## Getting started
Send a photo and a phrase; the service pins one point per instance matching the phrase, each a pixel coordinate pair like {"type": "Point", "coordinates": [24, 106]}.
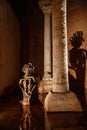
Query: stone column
{"type": "Point", "coordinates": [60, 99]}
{"type": "Point", "coordinates": [47, 46]}
{"type": "Point", "coordinates": [46, 83]}
{"type": "Point", "coordinates": [60, 58]}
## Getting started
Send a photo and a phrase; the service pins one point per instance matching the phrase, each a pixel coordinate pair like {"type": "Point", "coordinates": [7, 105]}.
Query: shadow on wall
{"type": "Point", "coordinates": [77, 59]}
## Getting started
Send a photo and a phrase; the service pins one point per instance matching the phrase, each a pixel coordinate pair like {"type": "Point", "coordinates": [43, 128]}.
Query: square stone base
{"type": "Point", "coordinates": [62, 102]}
{"type": "Point", "coordinates": [45, 86]}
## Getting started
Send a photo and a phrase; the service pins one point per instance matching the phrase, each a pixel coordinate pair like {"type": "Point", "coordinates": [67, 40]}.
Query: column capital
{"type": "Point", "coordinates": [46, 6]}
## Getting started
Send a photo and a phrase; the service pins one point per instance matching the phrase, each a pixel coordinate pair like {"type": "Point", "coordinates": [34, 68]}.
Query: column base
{"type": "Point", "coordinates": [62, 102]}
{"type": "Point", "coordinates": [45, 86]}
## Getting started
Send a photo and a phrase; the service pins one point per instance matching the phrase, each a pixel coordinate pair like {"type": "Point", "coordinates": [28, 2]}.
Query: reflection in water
{"type": "Point", "coordinates": [65, 121]}
{"type": "Point", "coordinates": [32, 118]}
{"type": "Point", "coordinates": [26, 119]}
{"type": "Point", "coordinates": [15, 117]}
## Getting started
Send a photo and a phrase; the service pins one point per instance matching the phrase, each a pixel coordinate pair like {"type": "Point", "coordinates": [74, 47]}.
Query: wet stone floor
{"type": "Point", "coordinates": [15, 117]}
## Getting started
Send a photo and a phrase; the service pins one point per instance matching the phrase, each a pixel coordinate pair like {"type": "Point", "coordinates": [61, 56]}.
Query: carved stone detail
{"type": "Point", "coordinates": [45, 5]}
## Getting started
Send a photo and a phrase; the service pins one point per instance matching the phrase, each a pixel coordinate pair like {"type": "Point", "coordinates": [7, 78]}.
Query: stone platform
{"type": "Point", "coordinates": [45, 86]}
{"type": "Point", "coordinates": [62, 102]}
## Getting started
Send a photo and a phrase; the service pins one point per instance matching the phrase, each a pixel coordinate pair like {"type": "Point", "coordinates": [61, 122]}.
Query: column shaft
{"type": "Point", "coordinates": [60, 57]}
{"type": "Point", "coordinates": [46, 84]}
{"type": "Point", "coordinates": [47, 46]}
